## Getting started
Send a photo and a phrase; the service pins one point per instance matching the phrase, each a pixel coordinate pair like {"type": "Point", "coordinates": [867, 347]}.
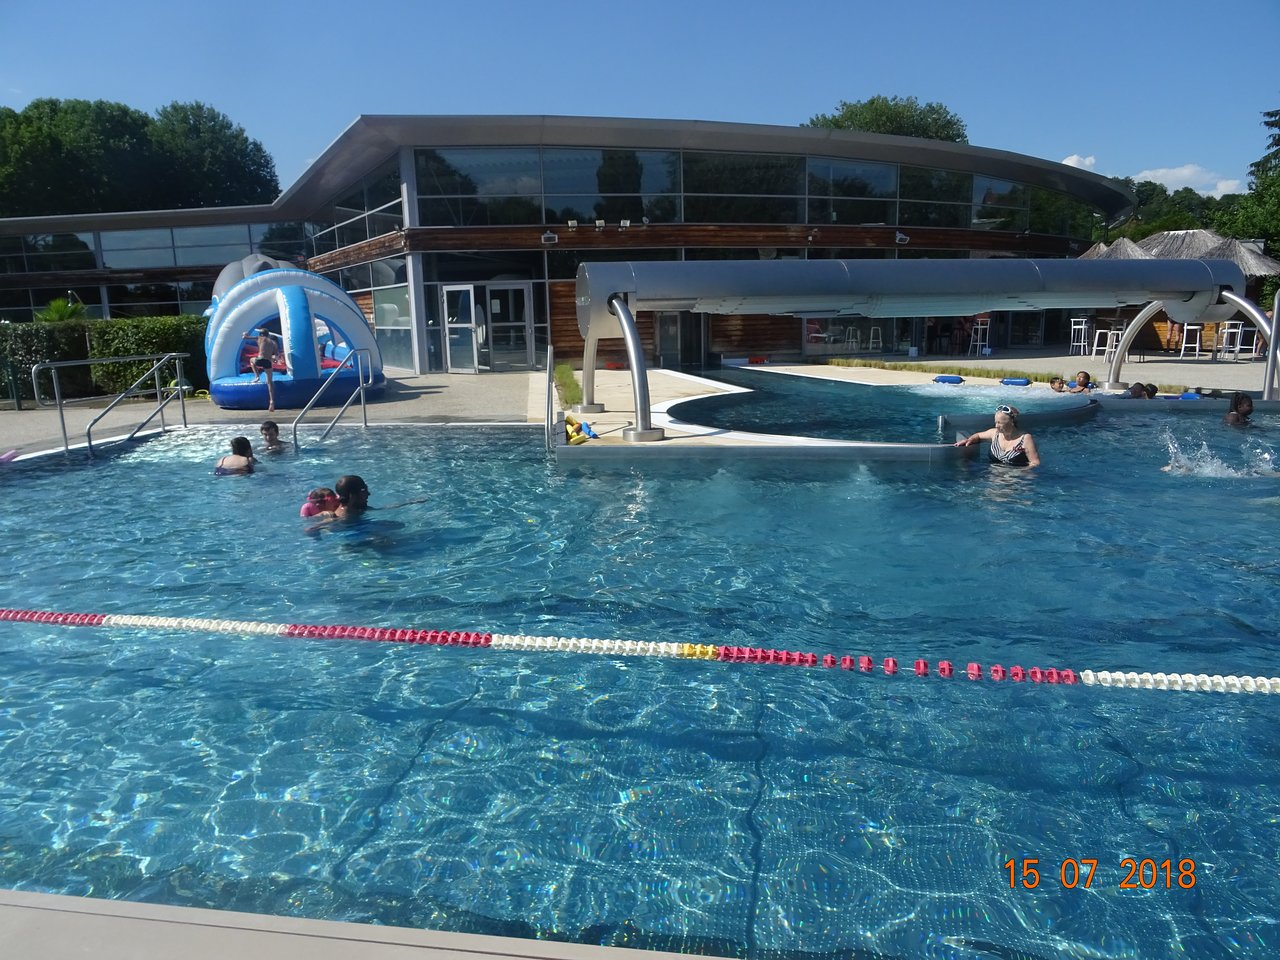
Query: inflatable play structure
{"type": "Point", "coordinates": [316, 325]}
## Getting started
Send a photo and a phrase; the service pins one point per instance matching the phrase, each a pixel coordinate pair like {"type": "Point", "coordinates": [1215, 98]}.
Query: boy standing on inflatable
{"type": "Point", "coordinates": [264, 362]}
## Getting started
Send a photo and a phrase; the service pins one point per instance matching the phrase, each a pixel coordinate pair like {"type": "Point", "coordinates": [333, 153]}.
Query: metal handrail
{"type": "Point", "coordinates": [364, 379]}
{"type": "Point", "coordinates": [162, 400]}
{"type": "Point", "coordinates": [551, 387]}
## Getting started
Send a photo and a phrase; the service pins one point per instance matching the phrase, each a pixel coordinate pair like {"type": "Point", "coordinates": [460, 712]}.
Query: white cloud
{"type": "Point", "coordinates": [1191, 175]}
{"type": "Point", "coordinates": [1084, 163]}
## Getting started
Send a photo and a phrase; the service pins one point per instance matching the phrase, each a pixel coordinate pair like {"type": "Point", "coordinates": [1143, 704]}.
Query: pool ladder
{"type": "Point", "coordinates": [164, 395]}
{"type": "Point", "coordinates": [362, 357]}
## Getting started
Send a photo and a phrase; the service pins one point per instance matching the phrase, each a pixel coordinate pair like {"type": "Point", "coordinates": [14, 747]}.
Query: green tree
{"type": "Point", "coordinates": [901, 116]}
{"type": "Point", "coordinates": [209, 161]}
{"type": "Point", "coordinates": [1270, 161]}
{"type": "Point", "coordinates": [82, 156]}
{"type": "Point", "coordinates": [73, 156]}
{"type": "Point", "coordinates": [59, 309]}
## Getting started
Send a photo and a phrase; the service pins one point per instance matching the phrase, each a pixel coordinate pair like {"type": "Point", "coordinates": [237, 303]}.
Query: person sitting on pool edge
{"type": "Point", "coordinates": [1009, 445]}
{"type": "Point", "coordinates": [1083, 383]}
{"type": "Point", "coordinates": [239, 461]}
{"type": "Point", "coordinates": [1241, 410]}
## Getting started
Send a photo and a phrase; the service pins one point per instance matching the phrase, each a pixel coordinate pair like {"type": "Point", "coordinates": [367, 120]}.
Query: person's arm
{"type": "Point", "coordinates": [975, 437]}
{"type": "Point", "coordinates": [1029, 447]}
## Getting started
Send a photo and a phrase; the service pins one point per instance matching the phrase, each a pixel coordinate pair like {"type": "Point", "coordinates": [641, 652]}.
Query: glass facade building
{"type": "Point", "coordinates": [460, 236]}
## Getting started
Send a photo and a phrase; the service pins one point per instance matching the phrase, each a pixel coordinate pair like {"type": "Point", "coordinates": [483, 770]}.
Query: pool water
{"type": "Point", "coordinates": [734, 809]}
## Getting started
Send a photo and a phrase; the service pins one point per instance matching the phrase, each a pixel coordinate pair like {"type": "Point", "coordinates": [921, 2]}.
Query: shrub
{"type": "Point", "coordinates": [138, 336]}
{"type": "Point", "coordinates": [26, 344]}
{"type": "Point", "coordinates": [567, 385]}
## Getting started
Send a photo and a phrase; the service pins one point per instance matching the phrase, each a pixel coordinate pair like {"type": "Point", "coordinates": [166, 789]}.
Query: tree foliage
{"type": "Point", "coordinates": [81, 156]}
{"type": "Point", "coordinates": [900, 116]}
{"type": "Point", "coordinates": [1269, 162]}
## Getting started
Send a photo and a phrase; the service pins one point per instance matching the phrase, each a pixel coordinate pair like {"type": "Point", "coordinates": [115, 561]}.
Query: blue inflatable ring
{"type": "Point", "coordinates": [1016, 382]}
{"type": "Point", "coordinates": [948, 378]}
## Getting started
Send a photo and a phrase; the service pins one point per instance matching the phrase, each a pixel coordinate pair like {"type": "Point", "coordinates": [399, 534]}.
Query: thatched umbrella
{"type": "Point", "coordinates": [1180, 244]}
{"type": "Point", "coordinates": [1094, 252]}
{"type": "Point", "coordinates": [1124, 249]}
{"type": "Point", "coordinates": [1250, 261]}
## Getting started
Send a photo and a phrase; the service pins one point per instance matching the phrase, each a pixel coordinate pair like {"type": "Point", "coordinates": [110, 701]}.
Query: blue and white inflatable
{"type": "Point", "coordinates": [317, 323]}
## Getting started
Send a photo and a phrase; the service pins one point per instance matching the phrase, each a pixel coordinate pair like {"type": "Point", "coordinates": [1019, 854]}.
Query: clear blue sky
{"type": "Point", "coordinates": [1166, 90]}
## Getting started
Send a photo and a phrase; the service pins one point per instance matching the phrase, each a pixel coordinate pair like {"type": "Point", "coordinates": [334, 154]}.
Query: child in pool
{"type": "Point", "coordinates": [321, 500]}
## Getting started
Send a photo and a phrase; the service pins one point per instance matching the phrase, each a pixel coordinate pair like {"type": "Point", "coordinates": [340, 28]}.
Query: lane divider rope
{"type": "Point", "coordinates": [639, 648]}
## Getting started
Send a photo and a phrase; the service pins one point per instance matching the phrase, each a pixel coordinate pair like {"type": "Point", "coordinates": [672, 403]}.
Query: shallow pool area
{"type": "Point", "coordinates": [728, 808]}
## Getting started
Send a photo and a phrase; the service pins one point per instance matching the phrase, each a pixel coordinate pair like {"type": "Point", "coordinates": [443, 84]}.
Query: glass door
{"type": "Point", "coordinates": [510, 317]}
{"type": "Point", "coordinates": [461, 332]}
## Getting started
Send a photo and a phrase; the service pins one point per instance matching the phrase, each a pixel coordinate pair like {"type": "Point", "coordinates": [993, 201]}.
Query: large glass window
{"type": "Point", "coordinates": [393, 326]}
{"type": "Point", "coordinates": [872, 213]}
{"type": "Point", "coordinates": [143, 299]}
{"type": "Point", "coordinates": [134, 249]}
{"type": "Point", "coordinates": [570, 171]}
{"type": "Point", "coordinates": [851, 178]}
{"type": "Point", "coordinates": [725, 209]}
{"type": "Point", "coordinates": [998, 193]}
{"type": "Point", "coordinates": [920, 183]}
{"type": "Point", "coordinates": [199, 256]}
{"type": "Point", "coordinates": [482, 172]}
{"type": "Point", "coordinates": [933, 214]}
{"type": "Point", "coordinates": [478, 212]}
{"type": "Point", "coordinates": [743, 173]}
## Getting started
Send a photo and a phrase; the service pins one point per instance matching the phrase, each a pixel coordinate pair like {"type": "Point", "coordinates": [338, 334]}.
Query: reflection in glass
{"type": "Point", "coordinates": [478, 171]}
{"type": "Point", "coordinates": [743, 173]}
{"type": "Point", "coordinates": [851, 178]}
{"type": "Point", "coordinates": [853, 212]}
{"type": "Point", "coordinates": [476, 212]}
{"type": "Point", "coordinates": [212, 256]}
{"type": "Point", "coordinates": [1000, 193]}
{"type": "Point", "coordinates": [610, 171]}
{"type": "Point", "coordinates": [919, 183]}
{"type": "Point", "coordinates": [743, 209]}
{"type": "Point", "coordinates": [933, 214]}
{"type": "Point", "coordinates": [223, 234]}
{"type": "Point", "coordinates": [136, 239]}
{"type": "Point", "coordinates": [162, 257]}
{"type": "Point", "coordinates": [585, 209]}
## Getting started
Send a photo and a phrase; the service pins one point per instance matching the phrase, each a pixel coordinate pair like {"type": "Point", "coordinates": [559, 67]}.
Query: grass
{"type": "Point", "coordinates": [567, 386]}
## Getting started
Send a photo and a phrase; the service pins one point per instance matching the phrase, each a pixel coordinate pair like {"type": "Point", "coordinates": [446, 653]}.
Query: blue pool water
{"type": "Point", "coordinates": [738, 810]}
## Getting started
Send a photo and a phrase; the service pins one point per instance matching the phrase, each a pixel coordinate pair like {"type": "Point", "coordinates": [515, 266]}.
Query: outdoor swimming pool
{"type": "Point", "coordinates": [735, 809]}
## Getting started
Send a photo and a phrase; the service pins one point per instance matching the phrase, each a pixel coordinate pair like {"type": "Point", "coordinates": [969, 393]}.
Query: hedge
{"type": "Point", "coordinates": [25, 344]}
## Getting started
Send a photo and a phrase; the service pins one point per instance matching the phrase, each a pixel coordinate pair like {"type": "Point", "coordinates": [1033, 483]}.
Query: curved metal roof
{"type": "Point", "coordinates": [371, 139]}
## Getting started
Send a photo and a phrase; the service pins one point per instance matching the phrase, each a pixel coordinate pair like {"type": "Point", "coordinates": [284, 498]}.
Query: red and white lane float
{"type": "Point", "coordinates": [944, 669]}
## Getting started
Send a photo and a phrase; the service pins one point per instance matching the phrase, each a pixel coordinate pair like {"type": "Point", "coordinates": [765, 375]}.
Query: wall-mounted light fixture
{"type": "Point", "coordinates": [623, 224]}
{"type": "Point", "coordinates": [599, 224]}
{"type": "Point", "coordinates": [900, 237]}
{"type": "Point", "coordinates": [550, 238]}
{"type": "Point", "coordinates": [573, 224]}
{"type": "Point", "coordinates": [813, 235]}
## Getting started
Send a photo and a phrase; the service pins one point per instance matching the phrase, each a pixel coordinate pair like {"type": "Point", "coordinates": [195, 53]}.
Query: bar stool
{"type": "Point", "coordinates": [851, 338]}
{"type": "Point", "coordinates": [1079, 336]}
{"type": "Point", "coordinates": [1105, 342]}
{"type": "Point", "coordinates": [1190, 337]}
{"type": "Point", "coordinates": [1232, 334]}
{"type": "Point", "coordinates": [873, 340]}
{"type": "Point", "coordinates": [978, 340]}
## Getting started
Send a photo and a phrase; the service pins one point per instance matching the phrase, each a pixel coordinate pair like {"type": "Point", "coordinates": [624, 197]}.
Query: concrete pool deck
{"type": "Point", "coordinates": [520, 397]}
{"type": "Point", "coordinates": [53, 926]}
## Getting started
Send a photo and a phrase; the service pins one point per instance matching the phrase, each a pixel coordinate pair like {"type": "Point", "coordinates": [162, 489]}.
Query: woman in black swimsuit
{"type": "Point", "coordinates": [1008, 445]}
